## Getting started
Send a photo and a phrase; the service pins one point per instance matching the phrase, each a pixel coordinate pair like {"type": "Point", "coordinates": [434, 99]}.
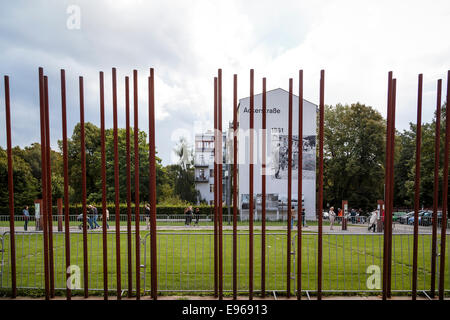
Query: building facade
{"type": "Point", "coordinates": [204, 166]}
{"type": "Point", "coordinates": [276, 157]}
{"type": "Point", "coordinates": [277, 107]}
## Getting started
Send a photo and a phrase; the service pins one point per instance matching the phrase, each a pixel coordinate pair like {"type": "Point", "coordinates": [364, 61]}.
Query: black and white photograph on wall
{"type": "Point", "coordinates": [280, 157]}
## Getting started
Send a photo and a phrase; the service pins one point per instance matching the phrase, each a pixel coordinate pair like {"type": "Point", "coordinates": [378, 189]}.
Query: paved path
{"type": "Point", "coordinates": [352, 229]}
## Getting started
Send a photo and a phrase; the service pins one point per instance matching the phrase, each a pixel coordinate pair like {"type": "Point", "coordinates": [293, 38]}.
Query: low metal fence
{"type": "Point", "coordinates": [75, 221]}
{"type": "Point", "coordinates": [351, 262]}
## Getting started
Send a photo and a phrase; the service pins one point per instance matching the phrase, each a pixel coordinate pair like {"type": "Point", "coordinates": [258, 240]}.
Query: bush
{"type": "Point", "coordinates": [76, 209]}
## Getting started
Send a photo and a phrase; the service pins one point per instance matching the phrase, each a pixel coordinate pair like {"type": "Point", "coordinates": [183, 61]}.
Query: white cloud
{"type": "Point", "coordinates": [356, 42]}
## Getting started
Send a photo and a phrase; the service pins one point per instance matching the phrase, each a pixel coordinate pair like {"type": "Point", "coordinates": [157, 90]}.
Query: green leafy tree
{"type": "Point", "coordinates": [183, 173]}
{"type": "Point", "coordinates": [353, 155]}
{"type": "Point", "coordinates": [25, 185]}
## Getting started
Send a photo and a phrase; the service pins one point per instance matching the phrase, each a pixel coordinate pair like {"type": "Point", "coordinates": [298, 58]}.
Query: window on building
{"type": "Point", "coordinates": [211, 188]}
{"type": "Point", "coordinates": [211, 173]}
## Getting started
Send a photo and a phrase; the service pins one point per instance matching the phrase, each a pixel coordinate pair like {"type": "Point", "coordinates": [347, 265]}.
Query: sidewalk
{"type": "Point", "coordinates": [337, 229]}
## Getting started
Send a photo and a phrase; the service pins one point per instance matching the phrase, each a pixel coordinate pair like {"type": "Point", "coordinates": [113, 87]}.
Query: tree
{"type": "Point", "coordinates": [183, 173]}
{"type": "Point", "coordinates": [406, 165]}
{"type": "Point", "coordinates": [25, 185]}
{"type": "Point", "coordinates": [353, 155]}
{"type": "Point", "coordinates": [93, 165]}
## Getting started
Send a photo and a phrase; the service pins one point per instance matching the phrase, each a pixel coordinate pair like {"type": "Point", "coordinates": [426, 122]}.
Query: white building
{"type": "Point", "coordinates": [204, 165]}
{"type": "Point", "coordinates": [276, 157]}
{"type": "Point", "coordinates": [276, 154]}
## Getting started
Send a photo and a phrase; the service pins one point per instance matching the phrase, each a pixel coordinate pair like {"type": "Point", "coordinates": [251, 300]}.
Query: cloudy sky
{"type": "Point", "coordinates": [356, 42]}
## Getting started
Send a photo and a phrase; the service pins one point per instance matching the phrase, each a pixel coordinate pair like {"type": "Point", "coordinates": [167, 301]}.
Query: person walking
{"type": "Point", "coordinates": [197, 215]}
{"type": "Point", "coordinates": [294, 212]}
{"type": "Point", "coordinates": [331, 216]}
{"type": "Point", "coordinates": [353, 215]}
{"type": "Point", "coordinates": [107, 218]}
{"type": "Point", "coordinates": [303, 218]}
{"type": "Point", "coordinates": [190, 215]}
{"type": "Point", "coordinates": [26, 216]}
{"type": "Point", "coordinates": [186, 216]}
{"type": "Point", "coordinates": [373, 220]}
{"type": "Point", "coordinates": [89, 216]}
{"type": "Point", "coordinates": [147, 215]}
{"type": "Point", "coordinates": [95, 214]}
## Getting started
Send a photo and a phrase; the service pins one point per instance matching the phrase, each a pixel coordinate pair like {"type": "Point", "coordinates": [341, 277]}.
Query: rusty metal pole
{"type": "Point", "coordinates": [445, 196]}
{"type": "Point", "coordinates": [235, 195]}
{"type": "Point", "coordinates": [49, 189]}
{"type": "Point", "coordinates": [128, 183]}
{"type": "Point", "coordinates": [387, 183]}
{"type": "Point", "coordinates": [391, 194]}
{"type": "Point", "coordinates": [252, 115]}
{"type": "Point", "coordinates": [104, 206]}
{"type": "Point", "coordinates": [320, 214]}
{"type": "Point", "coordinates": [66, 179]}
{"type": "Point", "coordinates": [219, 121]}
{"type": "Point", "coordinates": [59, 204]}
{"type": "Point", "coordinates": [300, 186]}
{"type": "Point", "coordinates": [289, 191]}
{"type": "Point", "coordinates": [83, 189]}
{"type": "Point", "coordinates": [10, 189]}
{"type": "Point", "coordinates": [216, 192]}
{"type": "Point", "coordinates": [44, 181]}
{"type": "Point", "coordinates": [152, 189]}
{"type": "Point", "coordinates": [436, 188]}
{"type": "Point", "coordinates": [116, 185]}
{"type": "Point", "coordinates": [417, 186]}
{"type": "Point", "coordinates": [136, 185]}
{"type": "Point", "coordinates": [263, 189]}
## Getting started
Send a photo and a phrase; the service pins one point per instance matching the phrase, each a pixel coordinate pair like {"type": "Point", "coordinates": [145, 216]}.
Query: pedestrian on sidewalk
{"type": "Point", "coordinates": [331, 216]}
{"type": "Point", "coordinates": [303, 218]}
{"type": "Point", "coordinates": [26, 216]}
{"type": "Point", "coordinates": [147, 215]}
{"type": "Point", "coordinates": [90, 216]}
{"type": "Point", "coordinates": [95, 212]}
{"type": "Point", "coordinates": [186, 216]}
{"type": "Point", "coordinates": [373, 220]}
{"type": "Point", "coordinates": [107, 218]}
{"type": "Point", "coordinates": [197, 215]}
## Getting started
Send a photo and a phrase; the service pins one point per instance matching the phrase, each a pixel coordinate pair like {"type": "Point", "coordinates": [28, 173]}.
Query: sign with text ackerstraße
{"type": "Point", "coordinates": [277, 110]}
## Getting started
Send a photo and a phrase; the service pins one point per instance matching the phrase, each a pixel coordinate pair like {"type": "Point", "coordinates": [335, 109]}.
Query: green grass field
{"type": "Point", "coordinates": [185, 261]}
{"type": "Point", "coordinates": [161, 222]}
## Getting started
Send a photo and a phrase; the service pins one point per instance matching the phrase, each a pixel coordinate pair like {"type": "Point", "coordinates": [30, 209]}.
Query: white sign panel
{"type": "Point", "coordinates": [277, 150]}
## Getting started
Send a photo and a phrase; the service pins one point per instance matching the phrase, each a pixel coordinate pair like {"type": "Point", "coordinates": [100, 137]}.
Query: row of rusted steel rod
{"type": "Point", "coordinates": [389, 192]}
{"type": "Point", "coordinates": [417, 186]}
{"type": "Point", "coordinates": [10, 188]}
{"type": "Point", "coordinates": [445, 195]}
{"type": "Point", "coordinates": [218, 276]}
{"type": "Point", "coordinates": [389, 141]}
{"type": "Point", "coordinates": [46, 203]}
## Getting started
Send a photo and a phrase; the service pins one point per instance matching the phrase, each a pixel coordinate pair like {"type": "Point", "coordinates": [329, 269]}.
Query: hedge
{"type": "Point", "coordinates": [160, 210]}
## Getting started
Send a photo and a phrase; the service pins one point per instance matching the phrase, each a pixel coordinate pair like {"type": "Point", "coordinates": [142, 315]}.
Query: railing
{"type": "Point", "coordinates": [201, 179]}
{"type": "Point", "coordinates": [202, 163]}
{"type": "Point", "coordinates": [186, 259]}
{"type": "Point", "coordinates": [202, 220]}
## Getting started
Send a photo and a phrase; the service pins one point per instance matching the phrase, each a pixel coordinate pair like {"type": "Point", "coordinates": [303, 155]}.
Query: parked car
{"type": "Point", "coordinates": [424, 218]}
{"type": "Point", "coordinates": [397, 215]}
{"type": "Point", "coordinates": [404, 218]}
{"type": "Point", "coordinates": [411, 219]}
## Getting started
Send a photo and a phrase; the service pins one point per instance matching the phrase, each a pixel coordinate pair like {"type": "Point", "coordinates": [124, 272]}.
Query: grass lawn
{"type": "Point", "coordinates": [4, 222]}
{"type": "Point", "coordinates": [185, 261]}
